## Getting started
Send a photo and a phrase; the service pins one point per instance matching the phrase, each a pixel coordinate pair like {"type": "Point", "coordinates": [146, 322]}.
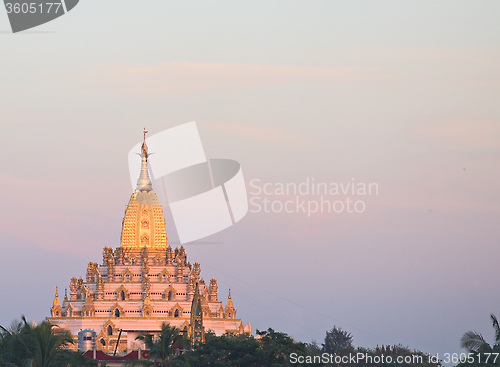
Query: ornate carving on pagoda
{"type": "Point", "coordinates": [117, 311]}
{"type": "Point", "coordinates": [122, 293]}
{"type": "Point", "coordinates": [107, 255]}
{"type": "Point", "coordinates": [170, 255]}
{"type": "Point", "coordinates": [69, 310]}
{"type": "Point", "coordinates": [180, 273]}
{"type": "Point", "coordinates": [111, 271]}
{"type": "Point", "coordinates": [144, 255]}
{"type": "Point", "coordinates": [79, 294]}
{"type": "Point", "coordinates": [127, 275]}
{"type": "Point", "coordinates": [119, 256]}
{"type": "Point", "coordinates": [65, 301]}
{"type": "Point", "coordinates": [230, 311]}
{"type": "Point", "coordinates": [147, 309]}
{"type": "Point", "coordinates": [181, 256]}
{"type": "Point", "coordinates": [176, 311]}
{"type": "Point", "coordinates": [196, 329]}
{"type": "Point", "coordinates": [146, 284]}
{"type": "Point", "coordinates": [103, 341]}
{"type": "Point", "coordinates": [88, 309]}
{"type": "Point", "coordinates": [73, 287]}
{"type": "Point", "coordinates": [56, 310]}
{"type": "Point", "coordinates": [131, 260]}
{"type": "Point", "coordinates": [145, 268]}
{"type": "Point", "coordinates": [164, 276]}
{"type": "Point", "coordinates": [157, 260]}
{"type": "Point", "coordinates": [191, 288]}
{"type": "Point", "coordinates": [169, 294]}
{"type": "Point", "coordinates": [92, 272]}
{"type": "Point", "coordinates": [212, 290]}
{"type": "Point", "coordinates": [196, 272]}
{"type": "Point", "coordinates": [100, 288]}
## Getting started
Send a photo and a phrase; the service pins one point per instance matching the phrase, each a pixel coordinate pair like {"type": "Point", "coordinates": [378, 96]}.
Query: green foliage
{"type": "Point", "coordinates": [480, 348]}
{"type": "Point", "coordinates": [23, 345]}
{"type": "Point", "coordinates": [164, 351]}
{"type": "Point", "coordinates": [69, 358]}
{"type": "Point", "coordinates": [270, 349]}
{"type": "Point", "coordinates": [337, 340]}
{"type": "Point", "coordinates": [409, 358]}
{"type": "Point", "coordinates": [275, 348]}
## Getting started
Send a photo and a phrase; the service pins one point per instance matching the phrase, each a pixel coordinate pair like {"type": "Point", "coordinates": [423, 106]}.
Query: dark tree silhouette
{"type": "Point", "coordinates": [337, 340]}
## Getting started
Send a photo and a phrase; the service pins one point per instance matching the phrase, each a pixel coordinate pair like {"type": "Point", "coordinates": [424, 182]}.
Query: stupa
{"type": "Point", "coordinates": [142, 284]}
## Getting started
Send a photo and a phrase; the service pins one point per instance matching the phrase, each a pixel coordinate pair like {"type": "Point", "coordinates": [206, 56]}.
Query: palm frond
{"type": "Point", "coordinates": [473, 341]}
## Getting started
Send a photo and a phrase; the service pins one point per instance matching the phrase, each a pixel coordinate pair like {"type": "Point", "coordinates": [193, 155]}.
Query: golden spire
{"type": "Point", "coordinates": [65, 300]}
{"type": "Point", "coordinates": [229, 303]}
{"type": "Point", "coordinates": [57, 302]}
{"type": "Point", "coordinates": [144, 182]}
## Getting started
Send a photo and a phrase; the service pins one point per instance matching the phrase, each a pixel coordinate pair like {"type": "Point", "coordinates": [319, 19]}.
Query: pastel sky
{"type": "Point", "coordinates": [403, 94]}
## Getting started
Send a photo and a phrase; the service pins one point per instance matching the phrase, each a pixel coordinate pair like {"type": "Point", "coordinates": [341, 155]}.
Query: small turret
{"type": "Point", "coordinates": [56, 310]}
{"type": "Point", "coordinates": [57, 302]}
{"type": "Point", "coordinates": [65, 300]}
{"type": "Point", "coordinates": [230, 311]}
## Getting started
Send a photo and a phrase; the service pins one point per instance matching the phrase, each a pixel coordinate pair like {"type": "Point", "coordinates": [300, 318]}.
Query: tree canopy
{"type": "Point", "coordinates": [34, 346]}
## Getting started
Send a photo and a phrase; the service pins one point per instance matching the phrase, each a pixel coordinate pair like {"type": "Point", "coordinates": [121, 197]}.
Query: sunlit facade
{"type": "Point", "coordinates": [142, 284]}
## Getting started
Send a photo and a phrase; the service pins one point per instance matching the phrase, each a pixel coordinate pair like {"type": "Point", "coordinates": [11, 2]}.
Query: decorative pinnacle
{"type": "Point", "coordinates": [144, 182]}
{"type": "Point", "coordinates": [144, 149]}
{"type": "Point", "coordinates": [56, 299]}
{"type": "Point", "coordinates": [229, 303]}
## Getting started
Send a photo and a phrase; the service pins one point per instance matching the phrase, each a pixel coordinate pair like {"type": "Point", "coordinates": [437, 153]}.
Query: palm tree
{"type": "Point", "coordinates": [37, 346]}
{"type": "Point", "coordinates": [163, 351]}
{"type": "Point", "coordinates": [46, 341]}
{"type": "Point", "coordinates": [475, 342]}
{"type": "Point", "coordinates": [12, 351]}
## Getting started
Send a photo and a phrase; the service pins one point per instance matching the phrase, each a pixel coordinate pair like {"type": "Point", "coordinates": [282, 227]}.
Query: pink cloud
{"type": "Point", "coordinates": [183, 76]}
{"type": "Point", "coordinates": [264, 133]}
{"type": "Point", "coordinates": [474, 134]}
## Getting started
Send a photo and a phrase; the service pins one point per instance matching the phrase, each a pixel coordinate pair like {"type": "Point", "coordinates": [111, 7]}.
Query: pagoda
{"type": "Point", "coordinates": [142, 284]}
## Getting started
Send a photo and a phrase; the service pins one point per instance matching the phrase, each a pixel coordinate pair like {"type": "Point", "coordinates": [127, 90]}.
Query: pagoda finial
{"type": "Point", "coordinates": [144, 182]}
{"type": "Point", "coordinates": [229, 303]}
{"type": "Point", "coordinates": [57, 302]}
{"type": "Point", "coordinates": [144, 150]}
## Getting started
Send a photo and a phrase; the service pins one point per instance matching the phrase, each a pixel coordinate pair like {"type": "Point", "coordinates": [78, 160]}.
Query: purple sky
{"type": "Point", "coordinates": [401, 94]}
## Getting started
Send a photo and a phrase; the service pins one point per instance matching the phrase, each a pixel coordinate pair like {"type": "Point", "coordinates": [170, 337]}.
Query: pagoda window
{"type": "Point", "coordinates": [176, 313]}
{"type": "Point", "coordinates": [229, 314]}
{"type": "Point", "coordinates": [103, 342]}
{"type": "Point", "coordinates": [117, 312]}
{"type": "Point", "coordinates": [127, 278]}
{"type": "Point", "coordinates": [122, 295]}
{"type": "Point", "coordinates": [170, 295]}
{"type": "Point", "coordinates": [110, 330]}
{"type": "Point", "coordinates": [132, 261]}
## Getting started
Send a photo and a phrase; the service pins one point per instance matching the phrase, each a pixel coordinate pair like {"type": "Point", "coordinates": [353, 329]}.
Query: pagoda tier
{"type": "Point", "coordinates": [134, 293]}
